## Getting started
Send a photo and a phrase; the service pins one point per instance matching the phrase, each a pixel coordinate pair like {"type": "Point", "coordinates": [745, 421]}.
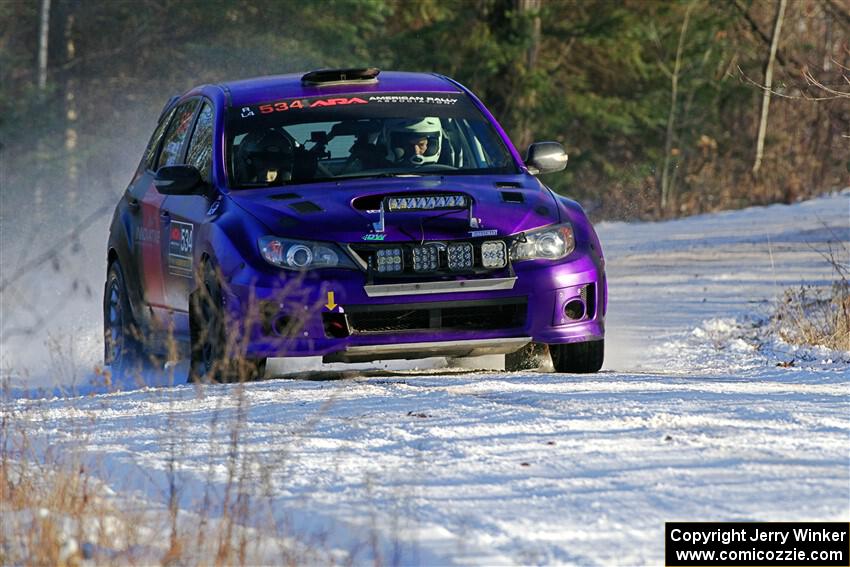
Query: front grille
{"type": "Point", "coordinates": [385, 321]}
{"type": "Point", "coordinates": [448, 315]}
{"type": "Point", "coordinates": [495, 317]}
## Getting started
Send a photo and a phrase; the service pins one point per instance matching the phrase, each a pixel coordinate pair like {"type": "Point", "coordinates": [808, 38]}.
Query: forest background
{"type": "Point", "coordinates": [660, 104]}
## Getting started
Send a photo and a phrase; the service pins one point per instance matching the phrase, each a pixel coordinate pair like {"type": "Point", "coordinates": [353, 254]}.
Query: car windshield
{"type": "Point", "coordinates": [362, 135]}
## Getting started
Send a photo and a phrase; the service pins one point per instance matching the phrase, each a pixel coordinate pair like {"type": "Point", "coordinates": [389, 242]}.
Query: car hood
{"type": "Point", "coordinates": [347, 212]}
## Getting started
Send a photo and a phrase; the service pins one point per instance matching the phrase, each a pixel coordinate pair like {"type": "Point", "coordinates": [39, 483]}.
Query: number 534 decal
{"type": "Point", "coordinates": [180, 246]}
{"type": "Point", "coordinates": [283, 106]}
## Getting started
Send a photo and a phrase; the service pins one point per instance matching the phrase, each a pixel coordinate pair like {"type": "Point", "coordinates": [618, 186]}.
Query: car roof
{"type": "Point", "coordinates": [265, 89]}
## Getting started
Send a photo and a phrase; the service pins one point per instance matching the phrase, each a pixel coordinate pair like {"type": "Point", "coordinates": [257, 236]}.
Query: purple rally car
{"type": "Point", "coordinates": [351, 214]}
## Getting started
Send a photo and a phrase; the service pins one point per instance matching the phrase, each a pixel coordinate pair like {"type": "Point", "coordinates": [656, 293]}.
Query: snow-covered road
{"type": "Point", "coordinates": [691, 419]}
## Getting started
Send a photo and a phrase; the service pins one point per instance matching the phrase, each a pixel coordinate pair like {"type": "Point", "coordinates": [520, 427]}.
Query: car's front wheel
{"type": "Point", "coordinates": [213, 357]}
{"type": "Point", "coordinates": [581, 358]}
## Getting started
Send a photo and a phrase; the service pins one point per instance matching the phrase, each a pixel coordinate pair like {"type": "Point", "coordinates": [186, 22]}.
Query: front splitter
{"type": "Point", "coordinates": [477, 347]}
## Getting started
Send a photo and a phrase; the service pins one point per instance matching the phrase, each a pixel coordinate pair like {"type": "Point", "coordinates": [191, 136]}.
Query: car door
{"type": "Point", "coordinates": [154, 220]}
{"type": "Point", "coordinates": [143, 205]}
{"type": "Point", "coordinates": [185, 214]}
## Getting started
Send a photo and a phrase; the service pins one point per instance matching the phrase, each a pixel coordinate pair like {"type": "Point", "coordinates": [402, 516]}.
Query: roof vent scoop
{"type": "Point", "coordinates": [512, 197]}
{"type": "Point", "coordinates": [322, 77]}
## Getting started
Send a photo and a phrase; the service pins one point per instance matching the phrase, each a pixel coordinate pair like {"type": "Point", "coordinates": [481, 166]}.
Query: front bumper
{"type": "Point", "coordinates": [333, 313]}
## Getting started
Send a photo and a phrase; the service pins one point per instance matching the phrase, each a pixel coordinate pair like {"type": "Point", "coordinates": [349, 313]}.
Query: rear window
{"type": "Point", "coordinates": [156, 138]}
{"type": "Point", "coordinates": [176, 133]}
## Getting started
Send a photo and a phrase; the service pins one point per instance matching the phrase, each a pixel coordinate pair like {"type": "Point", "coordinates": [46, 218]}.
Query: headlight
{"type": "Point", "coordinates": [550, 243]}
{"type": "Point", "coordinates": [302, 254]}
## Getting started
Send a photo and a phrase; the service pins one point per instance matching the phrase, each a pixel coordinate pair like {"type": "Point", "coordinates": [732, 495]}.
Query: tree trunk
{"type": "Point", "coordinates": [666, 181]}
{"type": "Point", "coordinates": [827, 43]}
{"type": "Point", "coordinates": [768, 84]}
{"type": "Point", "coordinates": [528, 98]}
{"type": "Point", "coordinates": [41, 81]}
{"type": "Point", "coordinates": [43, 35]}
{"type": "Point", "coordinates": [71, 117]}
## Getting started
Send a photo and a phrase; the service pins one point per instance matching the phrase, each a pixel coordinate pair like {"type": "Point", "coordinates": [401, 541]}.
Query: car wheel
{"type": "Point", "coordinates": [123, 349]}
{"type": "Point", "coordinates": [581, 358]}
{"type": "Point", "coordinates": [212, 357]}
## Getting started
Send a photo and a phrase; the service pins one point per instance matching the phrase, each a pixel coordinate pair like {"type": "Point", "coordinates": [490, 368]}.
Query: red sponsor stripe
{"type": "Point", "coordinates": [151, 249]}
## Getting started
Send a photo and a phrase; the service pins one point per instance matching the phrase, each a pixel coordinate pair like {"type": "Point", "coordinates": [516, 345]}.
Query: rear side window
{"type": "Point", "coordinates": [153, 145]}
{"type": "Point", "coordinates": [176, 133]}
{"type": "Point", "coordinates": [200, 146]}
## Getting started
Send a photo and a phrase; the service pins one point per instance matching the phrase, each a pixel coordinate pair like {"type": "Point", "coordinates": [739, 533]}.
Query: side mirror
{"type": "Point", "coordinates": [545, 157]}
{"type": "Point", "coordinates": [179, 180]}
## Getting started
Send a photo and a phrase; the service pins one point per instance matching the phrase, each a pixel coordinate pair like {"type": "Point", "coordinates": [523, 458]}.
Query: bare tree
{"type": "Point", "coordinates": [529, 99]}
{"type": "Point", "coordinates": [768, 83]}
{"type": "Point", "coordinates": [43, 35]}
{"type": "Point", "coordinates": [71, 113]}
{"type": "Point", "coordinates": [666, 185]}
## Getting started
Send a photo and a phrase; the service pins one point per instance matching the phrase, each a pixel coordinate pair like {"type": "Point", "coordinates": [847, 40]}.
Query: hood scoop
{"type": "Point", "coordinates": [306, 207]}
{"type": "Point", "coordinates": [419, 201]}
{"type": "Point", "coordinates": [513, 197]}
{"type": "Point", "coordinates": [368, 202]}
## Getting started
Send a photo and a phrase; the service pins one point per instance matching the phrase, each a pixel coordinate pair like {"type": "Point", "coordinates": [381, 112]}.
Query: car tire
{"type": "Point", "coordinates": [212, 357]}
{"type": "Point", "coordinates": [580, 358]}
{"type": "Point", "coordinates": [122, 338]}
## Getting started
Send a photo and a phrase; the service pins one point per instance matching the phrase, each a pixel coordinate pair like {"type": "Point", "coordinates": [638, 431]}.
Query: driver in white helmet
{"type": "Point", "coordinates": [416, 141]}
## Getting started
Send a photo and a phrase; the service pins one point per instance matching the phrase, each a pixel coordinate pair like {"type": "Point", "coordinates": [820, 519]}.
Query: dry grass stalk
{"type": "Point", "coordinates": [814, 316]}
